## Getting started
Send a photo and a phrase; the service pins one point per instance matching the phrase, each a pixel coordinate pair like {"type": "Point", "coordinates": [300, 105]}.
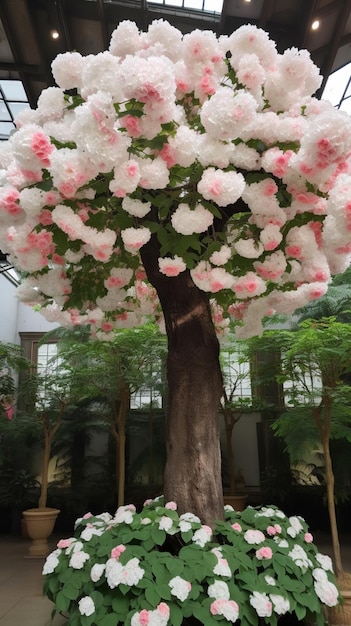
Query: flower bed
{"type": "Point", "coordinates": [157, 567]}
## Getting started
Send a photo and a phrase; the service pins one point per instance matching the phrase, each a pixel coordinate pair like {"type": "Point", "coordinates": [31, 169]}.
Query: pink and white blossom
{"type": "Point", "coordinates": [261, 603]}
{"type": "Point", "coordinates": [228, 608]}
{"type": "Point", "coordinates": [180, 588]}
{"type": "Point", "coordinates": [222, 187]}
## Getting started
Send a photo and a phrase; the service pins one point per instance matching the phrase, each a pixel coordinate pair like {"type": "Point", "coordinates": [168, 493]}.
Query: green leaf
{"type": "Point", "coordinates": [158, 535]}
{"type": "Point", "coordinates": [62, 601]}
{"type": "Point", "coordinates": [176, 615]}
{"type": "Point", "coordinates": [111, 619]}
{"type": "Point", "coordinates": [70, 592]}
{"type": "Point", "coordinates": [152, 595]}
{"type": "Point", "coordinates": [120, 605]}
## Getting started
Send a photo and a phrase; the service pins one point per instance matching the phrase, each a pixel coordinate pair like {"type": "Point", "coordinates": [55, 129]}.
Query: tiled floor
{"type": "Point", "coordinates": [22, 602]}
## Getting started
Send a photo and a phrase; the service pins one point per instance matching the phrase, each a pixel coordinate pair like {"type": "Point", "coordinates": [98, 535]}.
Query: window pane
{"type": "Point", "coordinates": [17, 107]}
{"type": "Point", "coordinates": [193, 4]}
{"type": "Point", "coordinates": [4, 113]}
{"type": "Point", "coordinates": [5, 129]}
{"type": "Point", "coordinates": [13, 90]}
{"type": "Point", "coordinates": [213, 5]}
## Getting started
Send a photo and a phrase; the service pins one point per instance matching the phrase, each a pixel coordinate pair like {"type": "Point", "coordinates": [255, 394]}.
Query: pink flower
{"type": "Point", "coordinates": [264, 553]}
{"type": "Point", "coordinates": [308, 537]}
{"type": "Point", "coordinates": [144, 617]}
{"type": "Point", "coordinates": [171, 267]}
{"type": "Point", "coordinates": [42, 147]}
{"type": "Point", "coordinates": [117, 551]}
{"type": "Point", "coordinates": [64, 543]}
{"type": "Point", "coordinates": [172, 506]}
{"type": "Point", "coordinates": [236, 526]}
{"type": "Point", "coordinates": [87, 515]}
{"type": "Point", "coordinates": [132, 124]}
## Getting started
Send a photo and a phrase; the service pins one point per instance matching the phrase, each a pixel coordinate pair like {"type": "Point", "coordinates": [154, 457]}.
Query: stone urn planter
{"type": "Point", "coordinates": [237, 501]}
{"type": "Point", "coordinates": [40, 523]}
{"type": "Point", "coordinates": [341, 615]}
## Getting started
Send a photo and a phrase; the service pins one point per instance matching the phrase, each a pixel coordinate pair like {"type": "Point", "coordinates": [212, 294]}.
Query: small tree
{"type": "Point", "coordinates": [12, 361]}
{"type": "Point", "coordinates": [109, 373]}
{"type": "Point", "coordinates": [314, 360]}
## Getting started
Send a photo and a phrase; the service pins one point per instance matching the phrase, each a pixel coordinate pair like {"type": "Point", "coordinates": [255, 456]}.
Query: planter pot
{"type": "Point", "coordinates": [341, 615]}
{"type": "Point", "coordinates": [40, 524]}
{"type": "Point", "coordinates": [238, 502]}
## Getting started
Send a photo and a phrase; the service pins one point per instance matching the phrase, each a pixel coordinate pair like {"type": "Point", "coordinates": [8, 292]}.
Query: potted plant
{"type": "Point", "coordinates": [47, 397]}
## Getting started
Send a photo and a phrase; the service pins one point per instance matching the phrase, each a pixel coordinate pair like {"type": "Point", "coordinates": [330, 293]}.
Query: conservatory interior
{"type": "Point", "coordinates": [83, 422]}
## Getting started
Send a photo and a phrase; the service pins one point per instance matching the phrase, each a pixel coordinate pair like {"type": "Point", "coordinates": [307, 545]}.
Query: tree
{"type": "Point", "coordinates": [12, 361]}
{"type": "Point", "coordinates": [177, 176]}
{"type": "Point", "coordinates": [318, 350]}
{"type": "Point", "coordinates": [109, 373]}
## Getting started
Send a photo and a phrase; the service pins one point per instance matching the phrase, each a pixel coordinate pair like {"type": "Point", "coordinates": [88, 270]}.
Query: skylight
{"type": "Point", "coordinates": [338, 89]}
{"type": "Point", "coordinates": [212, 6]}
{"type": "Point", "coordinates": [13, 99]}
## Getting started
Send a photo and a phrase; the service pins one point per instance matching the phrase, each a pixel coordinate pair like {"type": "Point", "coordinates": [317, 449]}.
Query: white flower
{"type": "Point", "coordinates": [221, 256]}
{"type": "Point", "coordinates": [281, 605]}
{"type": "Point", "coordinates": [325, 561]}
{"type": "Point", "coordinates": [124, 514]}
{"type": "Point", "coordinates": [89, 532]}
{"type": "Point", "coordinates": [300, 558]}
{"type": "Point", "coordinates": [270, 580]}
{"type": "Point", "coordinates": [202, 536]}
{"type": "Point", "coordinates": [86, 606]}
{"type": "Point", "coordinates": [222, 187]}
{"type": "Point", "coordinates": [184, 526]}
{"type": "Point", "coordinates": [222, 568]}
{"type": "Point", "coordinates": [261, 603]}
{"type": "Point", "coordinates": [180, 588]}
{"type": "Point", "coordinates": [219, 589]}
{"type": "Point", "coordinates": [97, 571]}
{"type": "Point", "coordinates": [254, 536]}
{"type": "Point", "coordinates": [327, 592]}
{"type": "Point", "coordinates": [135, 238]}
{"type": "Point", "coordinates": [165, 523]}
{"type": "Point", "coordinates": [296, 524]}
{"type": "Point", "coordinates": [136, 207]}
{"type": "Point", "coordinates": [78, 559]}
{"type": "Point", "coordinates": [113, 574]}
{"type": "Point", "coordinates": [187, 221]}
{"type": "Point", "coordinates": [51, 562]}
{"type": "Point", "coordinates": [132, 573]}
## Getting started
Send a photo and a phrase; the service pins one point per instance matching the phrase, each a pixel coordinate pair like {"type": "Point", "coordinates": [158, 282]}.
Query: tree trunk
{"type": "Point", "coordinates": [45, 470]}
{"type": "Point", "coordinates": [324, 430]}
{"type": "Point", "coordinates": [193, 467]}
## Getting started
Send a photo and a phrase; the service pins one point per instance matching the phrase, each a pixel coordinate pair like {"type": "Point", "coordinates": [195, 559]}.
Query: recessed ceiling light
{"type": "Point", "coordinates": [315, 25]}
{"type": "Point", "coordinates": [54, 34]}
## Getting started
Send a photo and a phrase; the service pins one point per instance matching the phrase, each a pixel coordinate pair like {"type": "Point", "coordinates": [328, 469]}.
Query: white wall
{"type": "Point", "coordinates": [8, 311]}
{"type": "Point", "coordinates": [16, 317]}
{"type": "Point", "coordinates": [29, 321]}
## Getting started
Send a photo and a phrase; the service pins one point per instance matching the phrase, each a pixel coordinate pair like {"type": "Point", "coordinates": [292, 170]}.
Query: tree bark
{"type": "Point", "coordinates": [193, 468]}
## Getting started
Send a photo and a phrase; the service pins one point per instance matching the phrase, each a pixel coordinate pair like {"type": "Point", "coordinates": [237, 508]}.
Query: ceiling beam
{"type": "Point", "coordinates": [103, 23]}
{"type": "Point", "coordinates": [343, 16]}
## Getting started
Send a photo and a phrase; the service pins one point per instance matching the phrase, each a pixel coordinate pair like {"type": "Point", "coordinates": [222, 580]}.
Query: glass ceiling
{"type": "Point", "coordinates": [13, 99]}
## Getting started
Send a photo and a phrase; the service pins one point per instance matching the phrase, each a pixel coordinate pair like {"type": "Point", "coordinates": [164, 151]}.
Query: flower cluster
{"type": "Point", "coordinates": [196, 142]}
{"type": "Point", "coordinates": [157, 567]}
